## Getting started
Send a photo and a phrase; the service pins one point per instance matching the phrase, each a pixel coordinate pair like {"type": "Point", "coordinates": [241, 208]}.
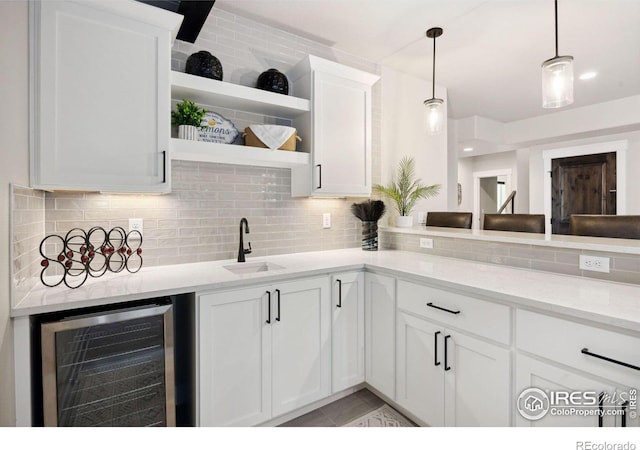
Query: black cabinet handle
{"type": "Point", "coordinates": [319, 166]}
{"type": "Point", "coordinates": [600, 409]}
{"type": "Point", "coordinates": [435, 346]}
{"type": "Point", "coordinates": [268, 307]}
{"type": "Point", "coordinates": [586, 351]}
{"type": "Point", "coordinates": [278, 316]}
{"type": "Point", "coordinates": [339, 293]}
{"type": "Point", "coordinates": [446, 356]}
{"type": "Point", "coordinates": [164, 166]}
{"type": "Point", "coordinates": [624, 413]}
{"type": "Point", "coordinates": [442, 309]}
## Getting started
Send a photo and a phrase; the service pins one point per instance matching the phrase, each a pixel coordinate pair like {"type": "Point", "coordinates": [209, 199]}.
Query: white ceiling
{"type": "Point", "coordinates": [490, 53]}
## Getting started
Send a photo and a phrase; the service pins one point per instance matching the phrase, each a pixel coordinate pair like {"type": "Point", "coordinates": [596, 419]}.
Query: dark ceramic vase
{"type": "Point", "coordinates": [204, 64]}
{"type": "Point", "coordinates": [274, 81]}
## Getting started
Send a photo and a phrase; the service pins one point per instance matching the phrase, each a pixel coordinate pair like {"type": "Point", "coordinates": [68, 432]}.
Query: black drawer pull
{"type": "Point", "coordinates": [268, 307]}
{"type": "Point", "coordinates": [339, 293]}
{"type": "Point", "coordinates": [442, 309]}
{"type": "Point", "coordinates": [595, 355]}
{"type": "Point", "coordinates": [278, 316]}
{"type": "Point", "coordinates": [446, 356]}
{"type": "Point", "coordinates": [624, 413]}
{"type": "Point", "coordinates": [435, 346]}
{"type": "Point", "coordinates": [319, 166]}
{"type": "Point", "coordinates": [164, 166]}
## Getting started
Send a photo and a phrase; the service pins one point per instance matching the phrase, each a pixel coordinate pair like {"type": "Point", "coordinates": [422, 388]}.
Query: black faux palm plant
{"type": "Point", "coordinates": [406, 190]}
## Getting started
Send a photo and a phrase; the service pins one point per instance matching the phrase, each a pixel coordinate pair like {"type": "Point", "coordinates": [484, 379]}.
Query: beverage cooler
{"type": "Point", "coordinates": [116, 367]}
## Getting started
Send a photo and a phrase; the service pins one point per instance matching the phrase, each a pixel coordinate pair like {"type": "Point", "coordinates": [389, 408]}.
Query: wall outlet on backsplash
{"type": "Point", "coordinates": [595, 263]}
{"type": "Point", "coordinates": [135, 224]}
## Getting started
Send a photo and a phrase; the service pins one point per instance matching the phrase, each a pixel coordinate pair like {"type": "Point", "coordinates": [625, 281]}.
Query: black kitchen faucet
{"type": "Point", "coordinates": [241, 250]}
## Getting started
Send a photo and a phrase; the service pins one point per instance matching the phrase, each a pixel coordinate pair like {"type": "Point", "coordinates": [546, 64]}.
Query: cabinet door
{"type": "Point", "coordinates": [342, 136]}
{"type": "Point", "coordinates": [477, 384]}
{"type": "Point", "coordinates": [420, 369]}
{"type": "Point", "coordinates": [347, 334]}
{"type": "Point", "coordinates": [234, 343]}
{"type": "Point", "coordinates": [380, 332]}
{"type": "Point", "coordinates": [533, 373]}
{"type": "Point", "coordinates": [301, 352]}
{"type": "Point", "coordinates": [101, 98]}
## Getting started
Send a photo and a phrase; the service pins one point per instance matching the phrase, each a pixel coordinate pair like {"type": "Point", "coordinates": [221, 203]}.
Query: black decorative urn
{"type": "Point", "coordinates": [204, 64]}
{"type": "Point", "coordinates": [274, 81]}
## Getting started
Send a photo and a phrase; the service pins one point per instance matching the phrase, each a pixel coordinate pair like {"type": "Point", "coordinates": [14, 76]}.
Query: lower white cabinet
{"type": "Point", "coordinates": [263, 351]}
{"type": "Point", "coordinates": [380, 333]}
{"type": "Point", "coordinates": [347, 333]}
{"type": "Point", "coordinates": [446, 378]}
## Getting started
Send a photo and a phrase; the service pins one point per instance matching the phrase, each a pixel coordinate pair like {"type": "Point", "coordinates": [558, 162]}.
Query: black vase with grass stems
{"type": "Point", "coordinates": [369, 212]}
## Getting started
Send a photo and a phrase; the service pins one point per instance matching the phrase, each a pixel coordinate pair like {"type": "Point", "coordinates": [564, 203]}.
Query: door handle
{"type": "Point", "coordinates": [339, 293]}
{"type": "Point", "coordinates": [278, 316]}
{"type": "Point", "coordinates": [585, 351]}
{"type": "Point", "coordinates": [600, 409]}
{"type": "Point", "coordinates": [319, 166]}
{"type": "Point", "coordinates": [268, 306]}
{"type": "Point", "coordinates": [164, 166]}
{"type": "Point", "coordinates": [624, 413]}
{"type": "Point", "coordinates": [446, 356]}
{"type": "Point", "coordinates": [435, 346]}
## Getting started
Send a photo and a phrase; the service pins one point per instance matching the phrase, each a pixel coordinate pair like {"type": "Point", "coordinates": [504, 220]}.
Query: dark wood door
{"type": "Point", "coordinates": [582, 185]}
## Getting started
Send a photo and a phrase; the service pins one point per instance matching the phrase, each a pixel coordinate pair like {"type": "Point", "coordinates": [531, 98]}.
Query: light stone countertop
{"type": "Point", "coordinates": [614, 304]}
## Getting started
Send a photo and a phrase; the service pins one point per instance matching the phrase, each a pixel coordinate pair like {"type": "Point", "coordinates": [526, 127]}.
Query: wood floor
{"type": "Point", "coordinates": [340, 412]}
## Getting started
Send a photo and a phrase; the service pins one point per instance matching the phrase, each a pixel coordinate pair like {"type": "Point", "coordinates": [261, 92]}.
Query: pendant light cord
{"type": "Point", "coordinates": [556, 9]}
{"type": "Point", "coordinates": [433, 76]}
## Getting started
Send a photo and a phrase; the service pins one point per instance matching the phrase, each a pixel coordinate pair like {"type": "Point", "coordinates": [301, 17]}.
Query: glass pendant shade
{"type": "Point", "coordinates": [557, 82]}
{"type": "Point", "coordinates": [434, 115]}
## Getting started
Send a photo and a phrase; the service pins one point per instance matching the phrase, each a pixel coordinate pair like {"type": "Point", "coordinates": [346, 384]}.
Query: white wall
{"type": "Point", "coordinates": [14, 154]}
{"type": "Point", "coordinates": [403, 133]}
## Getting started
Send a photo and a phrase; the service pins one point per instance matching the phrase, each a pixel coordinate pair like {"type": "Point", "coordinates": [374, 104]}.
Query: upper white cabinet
{"type": "Point", "coordinates": [100, 96]}
{"type": "Point", "coordinates": [337, 131]}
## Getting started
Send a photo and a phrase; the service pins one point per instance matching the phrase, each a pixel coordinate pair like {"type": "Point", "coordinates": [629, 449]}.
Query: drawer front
{"type": "Point", "coordinates": [480, 317]}
{"type": "Point", "coordinates": [563, 341]}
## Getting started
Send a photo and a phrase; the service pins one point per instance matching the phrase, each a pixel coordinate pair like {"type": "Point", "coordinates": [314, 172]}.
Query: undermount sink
{"type": "Point", "coordinates": [243, 268]}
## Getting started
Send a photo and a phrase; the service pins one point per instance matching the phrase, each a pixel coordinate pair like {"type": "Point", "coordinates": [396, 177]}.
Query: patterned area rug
{"type": "Point", "coordinates": [385, 416]}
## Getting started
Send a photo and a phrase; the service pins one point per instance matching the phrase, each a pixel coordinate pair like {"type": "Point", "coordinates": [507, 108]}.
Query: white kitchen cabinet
{"type": "Point", "coordinates": [347, 333]}
{"type": "Point", "coordinates": [263, 351]}
{"type": "Point", "coordinates": [337, 130]}
{"type": "Point", "coordinates": [447, 378]}
{"type": "Point", "coordinates": [380, 333]}
{"type": "Point", "coordinates": [577, 357]}
{"type": "Point", "coordinates": [100, 110]}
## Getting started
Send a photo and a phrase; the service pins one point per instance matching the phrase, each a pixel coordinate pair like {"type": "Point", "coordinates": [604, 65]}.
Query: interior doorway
{"type": "Point", "coordinates": [582, 185]}
{"type": "Point", "coordinates": [491, 189]}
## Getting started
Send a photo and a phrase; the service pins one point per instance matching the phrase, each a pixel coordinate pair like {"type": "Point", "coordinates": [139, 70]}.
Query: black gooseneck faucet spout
{"type": "Point", "coordinates": [241, 250]}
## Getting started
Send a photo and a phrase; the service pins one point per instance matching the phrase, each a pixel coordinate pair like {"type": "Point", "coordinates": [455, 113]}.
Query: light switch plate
{"type": "Point", "coordinates": [326, 220]}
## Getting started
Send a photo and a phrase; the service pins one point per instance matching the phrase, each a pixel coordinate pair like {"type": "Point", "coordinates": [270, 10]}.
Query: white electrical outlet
{"type": "Point", "coordinates": [326, 220]}
{"type": "Point", "coordinates": [135, 224]}
{"type": "Point", "coordinates": [594, 263]}
{"type": "Point", "coordinates": [426, 243]}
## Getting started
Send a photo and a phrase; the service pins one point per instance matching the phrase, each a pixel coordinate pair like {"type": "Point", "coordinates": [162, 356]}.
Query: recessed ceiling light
{"type": "Point", "coordinates": [588, 75]}
{"type": "Point", "coordinates": [467, 149]}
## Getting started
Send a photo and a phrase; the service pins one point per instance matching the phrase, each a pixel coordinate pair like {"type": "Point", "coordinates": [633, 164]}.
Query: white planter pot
{"type": "Point", "coordinates": [404, 221]}
{"type": "Point", "coordinates": [188, 132]}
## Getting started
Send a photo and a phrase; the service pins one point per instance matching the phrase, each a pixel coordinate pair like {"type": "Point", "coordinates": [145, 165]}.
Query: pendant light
{"type": "Point", "coordinates": [557, 77]}
{"type": "Point", "coordinates": [434, 107]}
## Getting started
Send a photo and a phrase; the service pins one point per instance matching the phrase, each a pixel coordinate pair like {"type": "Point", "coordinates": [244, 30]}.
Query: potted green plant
{"type": "Point", "coordinates": [406, 190]}
{"type": "Point", "coordinates": [188, 116]}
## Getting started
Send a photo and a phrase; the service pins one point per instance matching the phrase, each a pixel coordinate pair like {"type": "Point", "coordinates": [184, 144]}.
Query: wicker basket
{"type": "Point", "coordinates": [252, 140]}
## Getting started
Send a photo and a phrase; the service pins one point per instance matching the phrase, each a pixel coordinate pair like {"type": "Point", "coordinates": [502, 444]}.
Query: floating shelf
{"type": "Point", "coordinates": [184, 150]}
{"type": "Point", "coordinates": [234, 96]}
